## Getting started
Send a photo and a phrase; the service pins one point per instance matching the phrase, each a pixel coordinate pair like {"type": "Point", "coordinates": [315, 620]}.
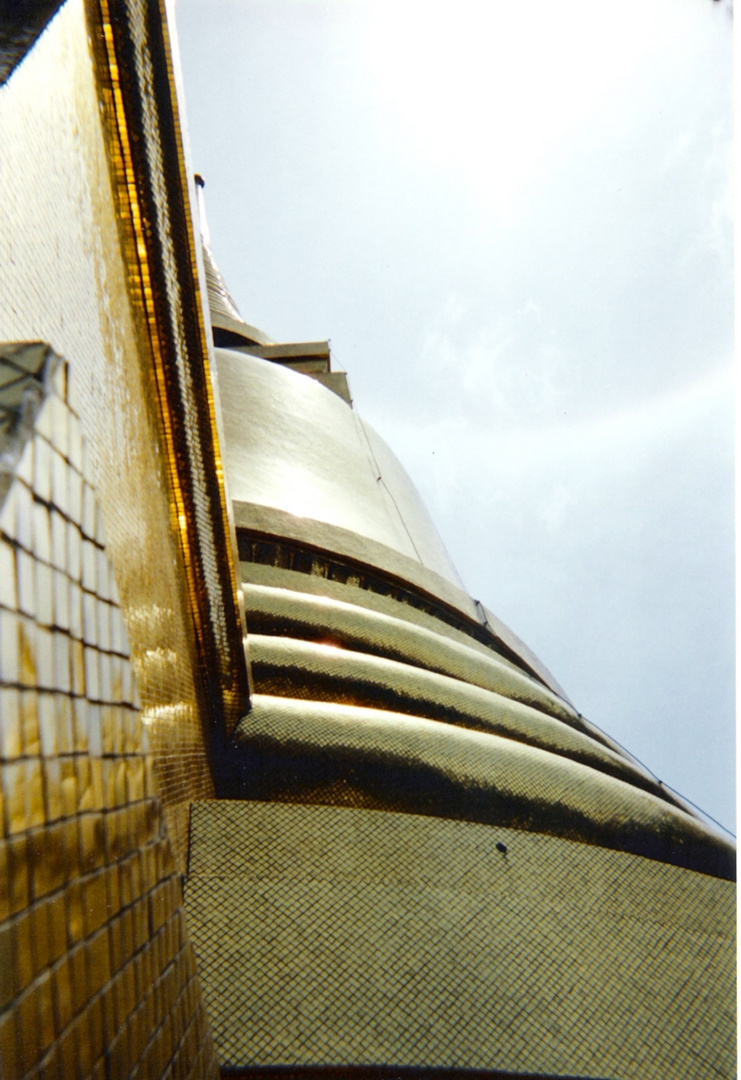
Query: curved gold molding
{"type": "Point", "coordinates": [323, 618]}
{"type": "Point", "coordinates": [310, 545]}
{"type": "Point", "coordinates": [306, 669]}
{"type": "Point", "coordinates": [323, 752]}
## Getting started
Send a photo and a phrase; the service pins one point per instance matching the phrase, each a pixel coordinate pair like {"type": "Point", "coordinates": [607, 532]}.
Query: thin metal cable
{"type": "Point", "coordinates": [657, 779]}
{"type": "Point", "coordinates": [380, 480]}
{"type": "Point", "coordinates": [485, 622]}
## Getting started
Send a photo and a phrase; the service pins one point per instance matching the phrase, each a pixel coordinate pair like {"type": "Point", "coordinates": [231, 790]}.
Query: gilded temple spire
{"type": "Point", "coordinates": [228, 325]}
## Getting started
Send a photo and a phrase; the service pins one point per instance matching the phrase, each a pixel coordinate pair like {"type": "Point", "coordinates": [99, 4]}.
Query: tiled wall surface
{"type": "Point", "coordinates": [102, 746]}
{"type": "Point", "coordinates": [384, 939]}
{"type": "Point", "coordinates": [63, 279]}
{"type": "Point", "coordinates": [96, 972]}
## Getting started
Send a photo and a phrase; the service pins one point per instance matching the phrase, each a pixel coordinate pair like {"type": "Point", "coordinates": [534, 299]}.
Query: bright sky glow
{"type": "Point", "coordinates": [513, 221]}
{"type": "Point", "coordinates": [493, 91]}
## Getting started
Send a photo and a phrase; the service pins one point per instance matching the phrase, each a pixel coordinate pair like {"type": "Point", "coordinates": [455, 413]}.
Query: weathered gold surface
{"type": "Point", "coordinates": [64, 279]}
{"type": "Point", "coordinates": [335, 936]}
{"type": "Point", "coordinates": [95, 965]}
{"type": "Point", "coordinates": [97, 975]}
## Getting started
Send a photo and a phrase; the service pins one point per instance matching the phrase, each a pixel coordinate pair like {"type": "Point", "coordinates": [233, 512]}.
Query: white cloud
{"type": "Point", "coordinates": [489, 91]}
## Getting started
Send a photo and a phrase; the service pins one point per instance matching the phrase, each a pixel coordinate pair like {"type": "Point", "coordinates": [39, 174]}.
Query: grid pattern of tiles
{"type": "Point", "coordinates": [64, 279]}
{"type": "Point", "coordinates": [353, 705]}
{"type": "Point", "coordinates": [329, 936]}
{"type": "Point", "coordinates": [261, 551]}
{"type": "Point", "coordinates": [345, 623]}
{"type": "Point", "coordinates": [132, 55]}
{"type": "Point", "coordinates": [320, 671]}
{"type": "Point", "coordinates": [295, 750]}
{"type": "Point", "coordinates": [97, 976]}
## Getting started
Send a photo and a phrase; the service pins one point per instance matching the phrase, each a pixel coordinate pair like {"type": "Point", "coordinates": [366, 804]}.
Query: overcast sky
{"type": "Point", "coordinates": [513, 221]}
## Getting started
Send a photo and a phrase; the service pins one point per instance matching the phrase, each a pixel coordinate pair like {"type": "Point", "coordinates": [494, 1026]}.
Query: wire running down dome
{"type": "Point", "coordinates": [422, 854]}
{"type": "Point", "coordinates": [375, 673]}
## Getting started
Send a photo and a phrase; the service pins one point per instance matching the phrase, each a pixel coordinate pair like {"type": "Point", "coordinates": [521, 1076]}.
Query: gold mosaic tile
{"type": "Point", "coordinates": [30, 721]}
{"type": "Point", "coordinates": [9, 652]}
{"type": "Point", "coordinates": [8, 593]}
{"type": "Point", "coordinates": [333, 753]}
{"type": "Point", "coordinates": [329, 936]}
{"type": "Point", "coordinates": [61, 822]}
{"type": "Point", "coordinates": [85, 866]}
{"type": "Point", "coordinates": [11, 733]}
{"type": "Point", "coordinates": [62, 528]}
